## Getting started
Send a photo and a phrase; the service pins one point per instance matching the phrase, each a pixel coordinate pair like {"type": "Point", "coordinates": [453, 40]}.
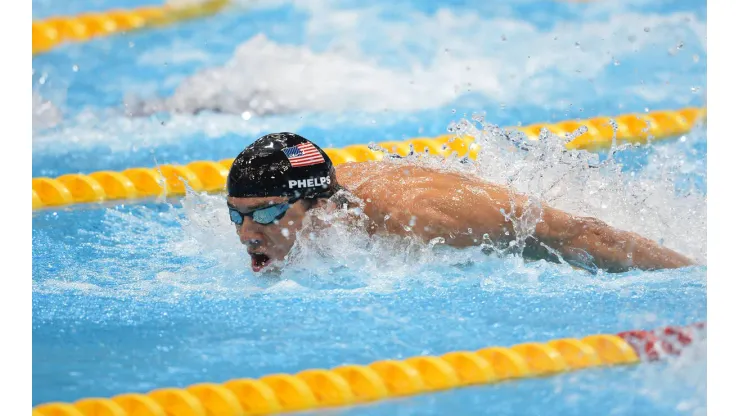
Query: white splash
{"type": "Point", "coordinates": [459, 56]}
{"type": "Point", "coordinates": [344, 256]}
{"type": "Point", "coordinates": [194, 247]}
{"type": "Point", "coordinates": [675, 377]}
{"type": "Point", "coordinates": [344, 68]}
{"type": "Point", "coordinates": [45, 113]}
{"type": "Point", "coordinates": [348, 73]}
{"type": "Point", "coordinates": [645, 202]}
{"type": "Point", "coordinates": [267, 78]}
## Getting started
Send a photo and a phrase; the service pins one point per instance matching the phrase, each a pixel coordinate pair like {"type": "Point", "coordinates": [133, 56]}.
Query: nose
{"type": "Point", "coordinates": [250, 234]}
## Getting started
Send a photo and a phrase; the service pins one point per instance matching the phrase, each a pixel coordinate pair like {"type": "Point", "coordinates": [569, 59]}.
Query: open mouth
{"type": "Point", "coordinates": [259, 261]}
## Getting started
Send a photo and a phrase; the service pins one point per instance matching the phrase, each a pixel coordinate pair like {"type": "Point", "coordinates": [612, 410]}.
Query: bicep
{"type": "Point", "coordinates": [464, 216]}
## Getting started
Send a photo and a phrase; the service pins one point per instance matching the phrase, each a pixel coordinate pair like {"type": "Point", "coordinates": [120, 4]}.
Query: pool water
{"type": "Point", "coordinates": [131, 296]}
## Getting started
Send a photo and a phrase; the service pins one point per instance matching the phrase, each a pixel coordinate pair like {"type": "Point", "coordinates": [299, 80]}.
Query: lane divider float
{"type": "Point", "coordinates": [210, 176]}
{"type": "Point", "coordinates": [354, 384]}
{"type": "Point", "coordinates": [54, 31]}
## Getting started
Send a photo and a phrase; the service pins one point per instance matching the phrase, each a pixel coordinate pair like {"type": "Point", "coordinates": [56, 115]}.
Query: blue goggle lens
{"type": "Point", "coordinates": [262, 216]}
{"type": "Point", "coordinates": [270, 214]}
{"type": "Point", "coordinates": [236, 216]}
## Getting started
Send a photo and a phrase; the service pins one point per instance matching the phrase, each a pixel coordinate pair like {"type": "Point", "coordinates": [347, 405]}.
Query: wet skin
{"type": "Point", "coordinates": [465, 211]}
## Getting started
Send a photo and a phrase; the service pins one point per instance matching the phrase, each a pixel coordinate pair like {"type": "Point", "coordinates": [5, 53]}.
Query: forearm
{"type": "Point", "coordinates": [579, 239]}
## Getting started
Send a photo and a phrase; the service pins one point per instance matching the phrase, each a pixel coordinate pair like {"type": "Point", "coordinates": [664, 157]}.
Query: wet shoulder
{"type": "Point", "coordinates": [380, 175]}
{"type": "Point", "coordinates": [354, 175]}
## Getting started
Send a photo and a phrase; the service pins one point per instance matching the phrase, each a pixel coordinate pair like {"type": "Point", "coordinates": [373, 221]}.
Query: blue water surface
{"type": "Point", "coordinates": [124, 299]}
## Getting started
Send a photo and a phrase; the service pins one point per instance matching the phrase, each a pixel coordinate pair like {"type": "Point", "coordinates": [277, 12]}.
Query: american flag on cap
{"type": "Point", "coordinates": [304, 154]}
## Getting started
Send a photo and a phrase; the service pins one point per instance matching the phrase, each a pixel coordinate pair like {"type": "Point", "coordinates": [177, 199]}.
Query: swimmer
{"type": "Point", "coordinates": [275, 181]}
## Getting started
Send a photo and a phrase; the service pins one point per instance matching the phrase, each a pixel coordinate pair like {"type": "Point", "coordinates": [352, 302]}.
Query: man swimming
{"type": "Point", "coordinates": [275, 181]}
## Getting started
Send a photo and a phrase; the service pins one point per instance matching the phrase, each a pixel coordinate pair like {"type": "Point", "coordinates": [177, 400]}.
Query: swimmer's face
{"type": "Point", "coordinates": [267, 243]}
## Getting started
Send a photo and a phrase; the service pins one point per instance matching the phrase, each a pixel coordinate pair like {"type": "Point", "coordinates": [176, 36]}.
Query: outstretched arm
{"type": "Point", "coordinates": [584, 238]}
{"type": "Point", "coordinates": [464, 210]}
{"type": "Point", "coordinates": [580, 241]}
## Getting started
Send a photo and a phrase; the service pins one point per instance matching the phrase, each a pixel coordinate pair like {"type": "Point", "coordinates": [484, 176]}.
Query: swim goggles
{"type": "Point", "coordinates": [264, 216]}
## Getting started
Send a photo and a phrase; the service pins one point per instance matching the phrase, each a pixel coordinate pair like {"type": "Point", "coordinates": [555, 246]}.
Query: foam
{"type": "Point", "coordinates": [460, 56]}
{"type": "Point", "coordinates": [345, 257]}
{"type": "Point", "coordinates": [193, 248]}
{"type": "Point", "coordinates": [349, 71]}
{"type": "Point", "coordinates": [168, 253]}
{"type": "Point", "coordinates": [669, 382]}
{"type": "Point", "coordinates": [45, 113]}
{"type": "Point", "coordinates": [646, 202]}
{"type": "Point", "coordinates": [342, 75]}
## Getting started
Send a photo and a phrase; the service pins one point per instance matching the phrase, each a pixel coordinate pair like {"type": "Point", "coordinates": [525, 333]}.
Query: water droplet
{"type": "Point", "coordinates": [578, 44]}
{"type": "Point", "coordinates": [412, 221]}
{"type": "Point", "coordinates": [454, 111]}
{"type": "Point", "coordinates": [696, 58]}
{"type": "Point", "coordinates": [246, 115]}
{"type": "Point", "coordinates": [75, 68]}
{"type": "Point", "coordinates": [647, 29]}
{"type": "Point", "coordinates": [290, 222]}
{"type": "Point", "coordinates": [695, 89]}
{"type": "Point", "coordinates": [503, 38]}
{"type": "Point", "coordinates": [131, 44]}
{"type": "Point", "coordinates": [436, 240]}
{"type": "Point", "coordinates": [680, 45]}
{"type": "Point", "coordinates": [616, 62]}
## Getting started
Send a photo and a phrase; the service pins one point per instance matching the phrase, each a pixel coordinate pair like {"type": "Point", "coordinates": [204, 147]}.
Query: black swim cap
{"type": "Point", "coordinates": [282, 164]}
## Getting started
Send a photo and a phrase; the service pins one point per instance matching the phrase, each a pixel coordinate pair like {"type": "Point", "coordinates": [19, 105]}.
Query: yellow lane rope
{"type": "Point", "coordinates": [210, 176]}
{"type": "Point", "coordinates": [51, 32]}
{"type": "Point", "coordinates": [354, 384]}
